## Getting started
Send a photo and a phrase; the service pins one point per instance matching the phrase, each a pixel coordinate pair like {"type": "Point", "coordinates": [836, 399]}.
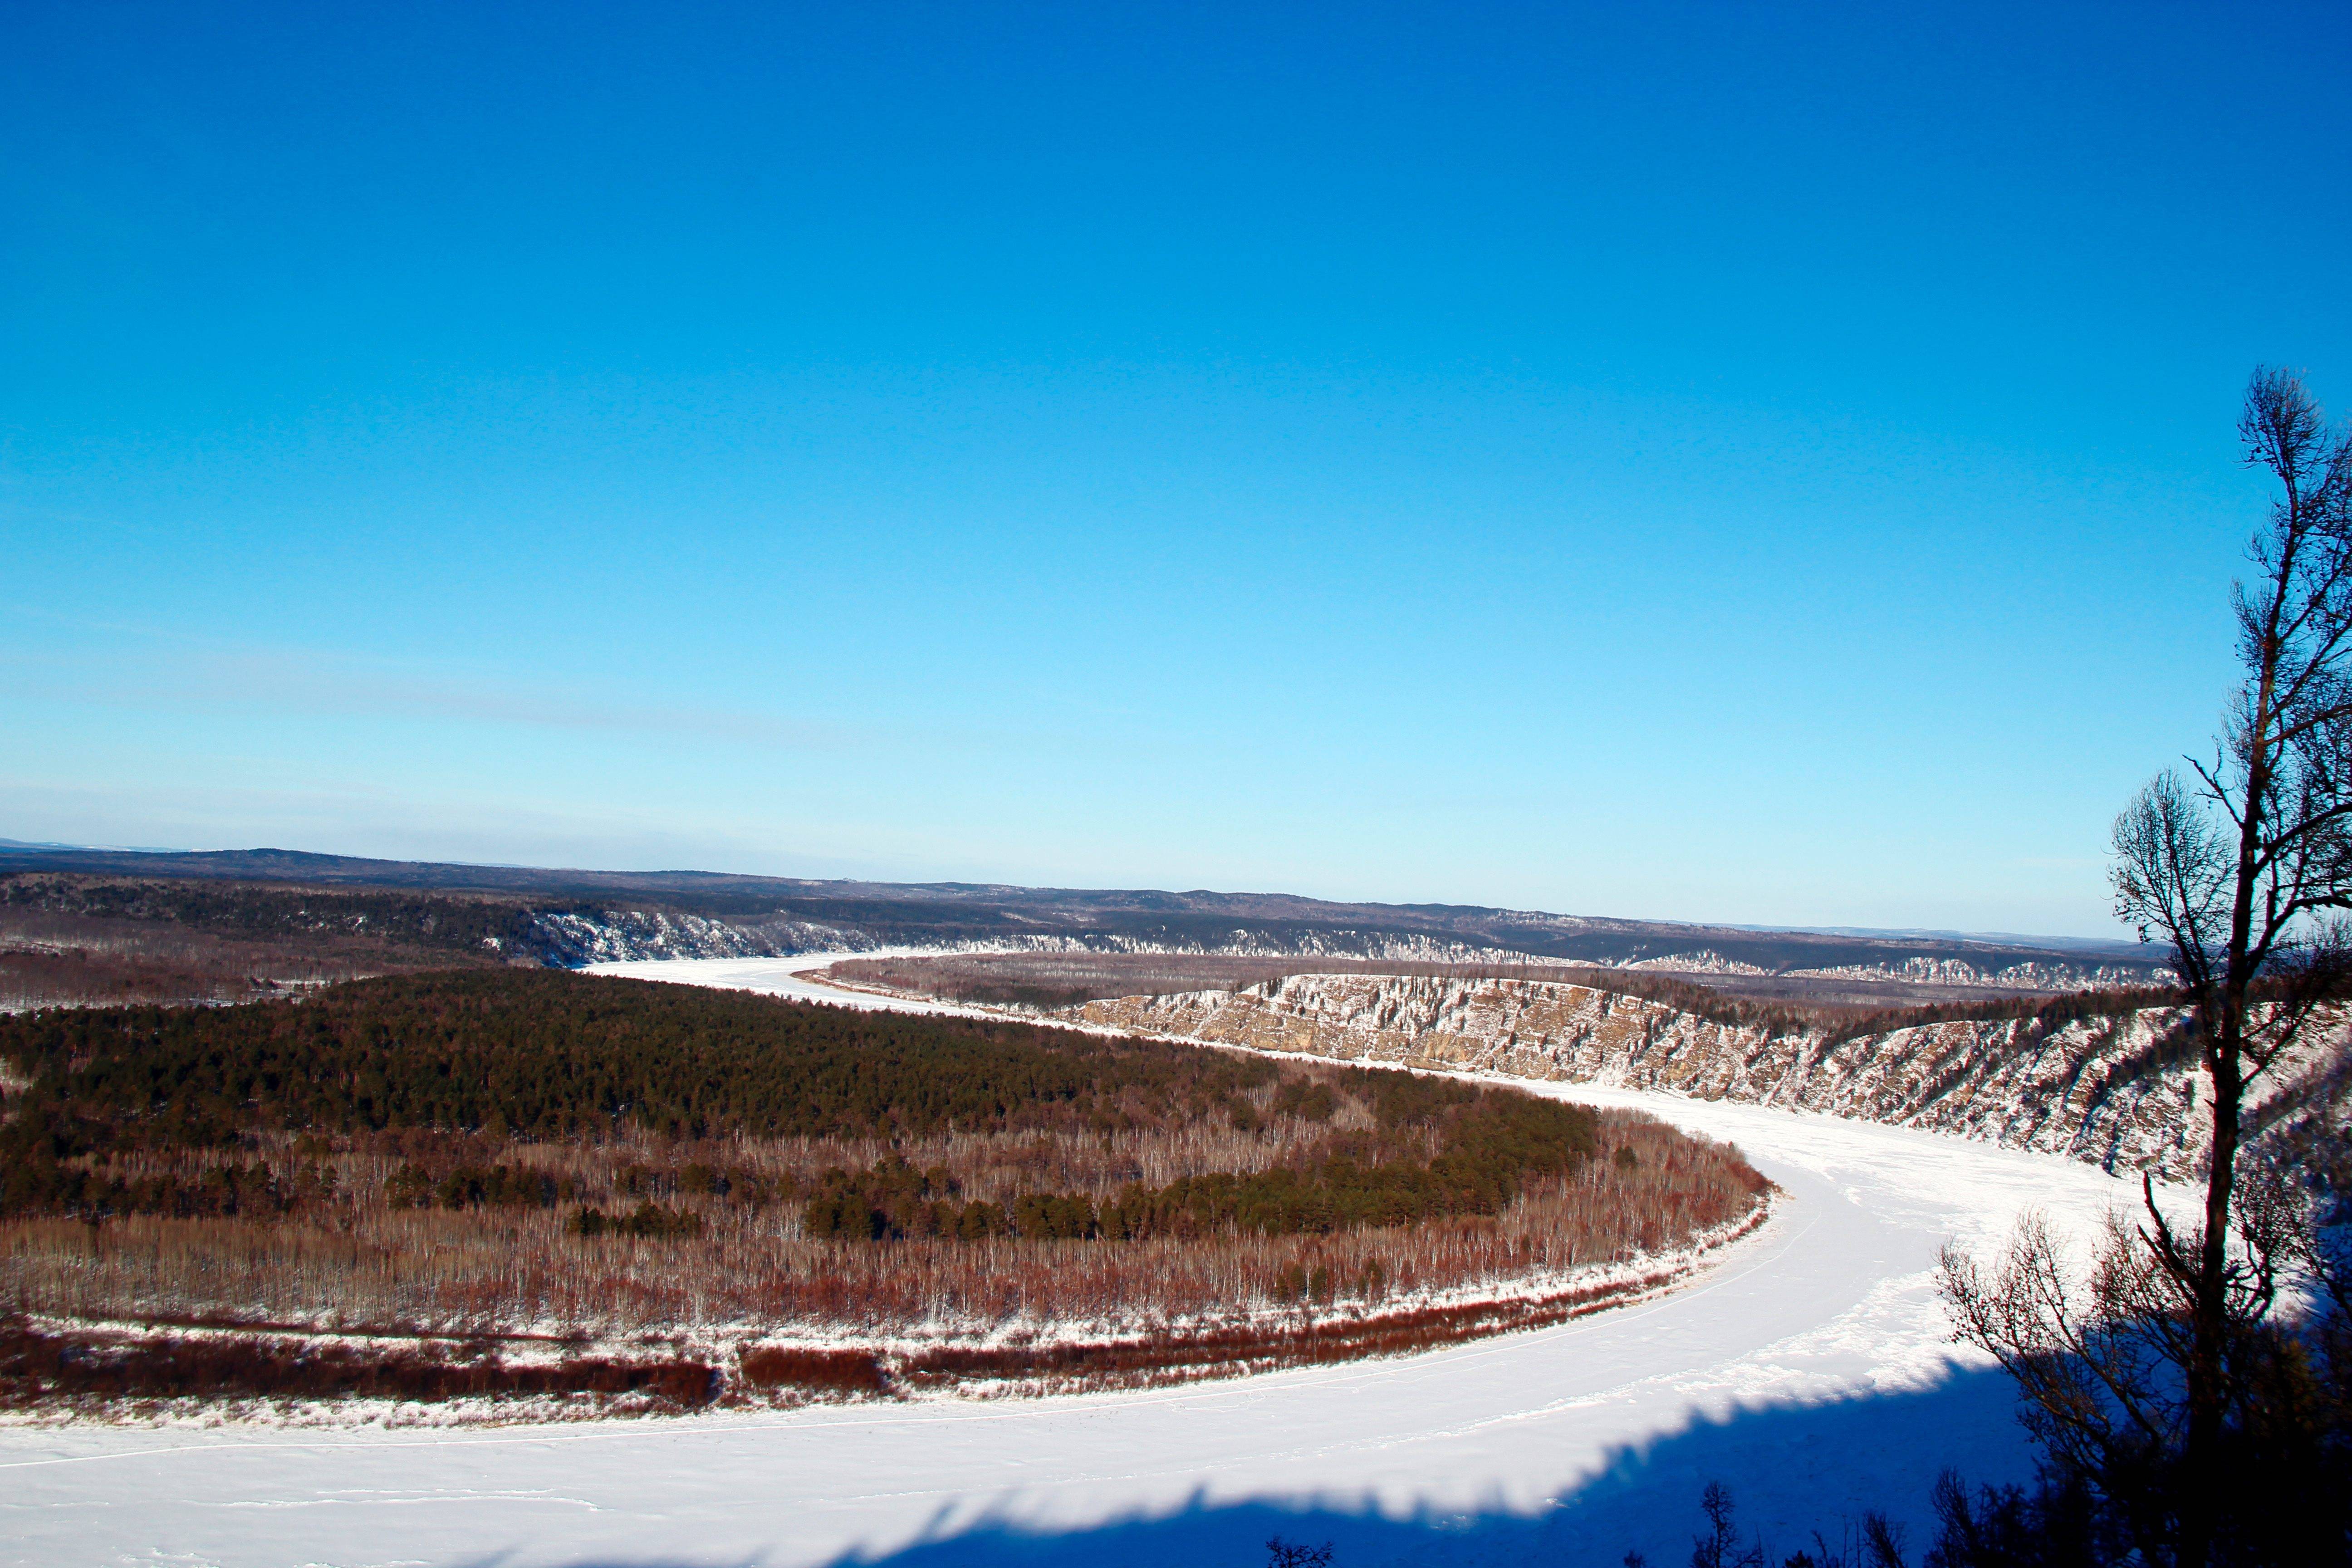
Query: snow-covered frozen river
{"type": "Point", "coordinates": [1809, 1371]}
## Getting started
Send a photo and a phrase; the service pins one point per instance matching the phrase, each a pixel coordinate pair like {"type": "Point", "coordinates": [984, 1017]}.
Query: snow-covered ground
{"type": "Point", "coordinates": [779, 977]}
{"type": "Point", "coordinates": [1808, 1371]}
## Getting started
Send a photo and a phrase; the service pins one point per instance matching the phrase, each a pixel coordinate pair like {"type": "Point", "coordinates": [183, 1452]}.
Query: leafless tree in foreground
{"type": "Point", "coordinates": [2166, 1377]}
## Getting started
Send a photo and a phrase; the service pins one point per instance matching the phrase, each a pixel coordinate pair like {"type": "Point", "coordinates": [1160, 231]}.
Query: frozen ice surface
{"type": "Point", "coordinates": [1809, 1370]}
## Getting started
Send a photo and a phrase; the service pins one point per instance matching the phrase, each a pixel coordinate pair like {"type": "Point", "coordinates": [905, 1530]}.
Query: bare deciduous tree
{"type": "Point", "coordinates": [2244, 866]}
{"type": "Point", "coordinates": [1281, 1553]}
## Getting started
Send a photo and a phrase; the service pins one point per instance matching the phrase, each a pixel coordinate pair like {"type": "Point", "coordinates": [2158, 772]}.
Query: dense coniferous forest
{"type": "Point", "coordinates": [548, 1054]}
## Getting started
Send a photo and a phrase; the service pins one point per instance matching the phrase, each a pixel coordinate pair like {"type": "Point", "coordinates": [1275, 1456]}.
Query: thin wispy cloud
{"type": "Point", "coordinates": [172, 675]}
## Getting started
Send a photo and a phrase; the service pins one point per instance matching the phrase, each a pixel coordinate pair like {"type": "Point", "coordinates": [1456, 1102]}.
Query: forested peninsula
{"type": "Point", "coordinates": [468, 1163]}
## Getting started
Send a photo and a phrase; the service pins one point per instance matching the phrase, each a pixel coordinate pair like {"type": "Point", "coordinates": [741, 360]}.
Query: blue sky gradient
{"type": "Point", "coordinates": [1743, 462]}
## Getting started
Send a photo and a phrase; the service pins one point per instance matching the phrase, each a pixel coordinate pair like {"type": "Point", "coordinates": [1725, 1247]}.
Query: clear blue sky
{"type": "Point", "coordinates": [1747, 462]}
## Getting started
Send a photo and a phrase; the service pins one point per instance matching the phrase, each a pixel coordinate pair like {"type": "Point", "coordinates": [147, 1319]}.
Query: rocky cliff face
{"type": "Point", "coordinates": [571, 940]}
{"type": "Point", "coordinates": [2122, 1091]}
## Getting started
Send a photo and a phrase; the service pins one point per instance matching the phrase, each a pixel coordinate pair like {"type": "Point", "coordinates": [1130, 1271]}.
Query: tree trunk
{"type": "Point", "coordinates": [2225, 1038]}
{"type": "Point", "coordinates": [2207, 1370]}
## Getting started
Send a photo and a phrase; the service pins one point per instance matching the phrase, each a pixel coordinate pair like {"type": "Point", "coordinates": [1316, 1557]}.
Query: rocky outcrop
{"type": "Point", "coordinates": [570, 940]}
{"type": "Point", "coordinates": [2121, 1091]}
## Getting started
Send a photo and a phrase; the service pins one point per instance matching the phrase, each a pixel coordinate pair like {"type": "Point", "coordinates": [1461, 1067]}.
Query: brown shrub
{"type": "Point", "coordinates": [37, 1366]}
{"type": "Point", "coordinates": [344, 1257]}
{"type": "Point", "coordinates": [831, 1372]}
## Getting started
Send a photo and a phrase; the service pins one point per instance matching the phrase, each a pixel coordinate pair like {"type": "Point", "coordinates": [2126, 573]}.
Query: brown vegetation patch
{"type": "Point", "coordinates": [1263, 1347]}
{"type": "Point", "coordinates": [39, 1368]}
{"type": "Point", "coordinates": [102, 1370]}
{"type": "Point", "coordinates": [356, 1259]}
{"type": "Point", "coordinates": [830, 1372]}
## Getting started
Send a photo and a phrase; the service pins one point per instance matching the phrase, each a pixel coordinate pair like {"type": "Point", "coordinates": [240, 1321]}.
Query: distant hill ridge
{"type": "Point", "coordinates": [573, 916]}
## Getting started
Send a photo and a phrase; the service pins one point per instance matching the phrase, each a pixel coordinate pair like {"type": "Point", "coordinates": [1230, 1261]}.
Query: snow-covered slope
{"type": "Point", "coordinates": [2120, 1092]}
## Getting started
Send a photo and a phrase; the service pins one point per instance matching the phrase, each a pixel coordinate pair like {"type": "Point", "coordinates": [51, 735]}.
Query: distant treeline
{"type": "Point", "coordinates": [2044, 1014]}
{"type": "Point", "coordinates": [1847, 1021]}
{"type": "Point", "coordinates": [450, 922]}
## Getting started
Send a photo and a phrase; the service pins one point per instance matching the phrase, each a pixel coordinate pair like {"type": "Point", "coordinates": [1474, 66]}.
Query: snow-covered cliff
{"type": "Point", "coordinates": [2119, 1092]}
{"type": "Point", "coordinates": [571, 939]}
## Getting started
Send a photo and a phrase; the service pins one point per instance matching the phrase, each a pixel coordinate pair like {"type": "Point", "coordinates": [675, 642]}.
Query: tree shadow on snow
{"type": "Point", "coordinates": [1792, 1469]}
